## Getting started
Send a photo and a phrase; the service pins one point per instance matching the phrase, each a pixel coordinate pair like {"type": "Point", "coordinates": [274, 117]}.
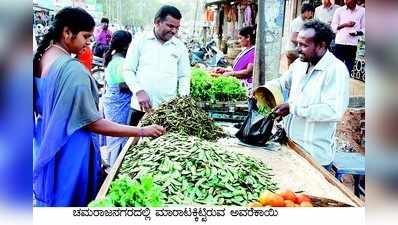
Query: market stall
{"type": "Point", "coordinates": [224, 98]}
{"type": "Point", "coordinates": [201, 163]}
{"type": "Point", "coordinates": [293, 169]}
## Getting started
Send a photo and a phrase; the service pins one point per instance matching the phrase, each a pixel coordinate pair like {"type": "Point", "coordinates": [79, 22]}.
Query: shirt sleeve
{"type": "Point", "coordinates": [335, 20]}
{"type": "Point", "coordinates": [296, 26]}
{"type": "Point", "coordinates": [333, 100]}
{"type": "Point", "coordinates": [130, 67]}
{"type": "Point", "coordinates": [362, 23]}
{"type": "Point", "coordinates": [316, 14]}
{"type": "Point", "coordinates": [184, 73]}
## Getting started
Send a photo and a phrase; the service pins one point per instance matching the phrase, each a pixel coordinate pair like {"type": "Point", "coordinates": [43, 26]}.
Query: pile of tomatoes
{"type": "Point", "coordinates": [284, 199]}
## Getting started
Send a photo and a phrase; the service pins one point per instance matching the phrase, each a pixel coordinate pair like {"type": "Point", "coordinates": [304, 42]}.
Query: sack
{"type": "Point", "coordinates": [256, 129]}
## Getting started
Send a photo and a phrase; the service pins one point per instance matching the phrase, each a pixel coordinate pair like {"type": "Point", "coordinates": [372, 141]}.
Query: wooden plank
{"type": "Point", "coordinates": [328, 176]}
{"type": "Point", "coordinates": [108, 180]}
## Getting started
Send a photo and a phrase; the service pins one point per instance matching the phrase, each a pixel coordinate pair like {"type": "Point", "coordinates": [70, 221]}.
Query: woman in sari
{"type": "Point", "coordinates": [67, 160]}
{"type": "Point", "coordinates": [117, 96]}
{"type": "Point", "coordinates": [242, 67]}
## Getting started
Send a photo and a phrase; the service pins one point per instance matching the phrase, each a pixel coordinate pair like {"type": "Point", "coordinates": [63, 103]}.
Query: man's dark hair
{"type": "Point", "coordinates": [323, 32]}
{"type": "Point", "coordinates": [307, 7]}
{"type": "Point", "coordinates": [168, 10]}
{"type": "Point", "coordinates": [105, 20]}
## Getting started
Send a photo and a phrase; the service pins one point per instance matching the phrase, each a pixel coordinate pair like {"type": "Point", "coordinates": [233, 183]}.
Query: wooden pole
{"type": "Point", "coordinates": [259, 63]}
{"type": "Point", "coordinates": [194, 21]}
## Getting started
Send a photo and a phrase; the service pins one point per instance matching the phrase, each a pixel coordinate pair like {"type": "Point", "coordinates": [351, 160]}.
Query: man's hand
{"type": "Point", "coordinates": [144, 101]}
{"type": "Point", "coordinates": [153, 131]}
{"type": "Point", "coordinates": [354, 34]}
{"type": "Point", "coordinates": [350, 24]}
{"type": "Point", "coordinates": [281, 110]}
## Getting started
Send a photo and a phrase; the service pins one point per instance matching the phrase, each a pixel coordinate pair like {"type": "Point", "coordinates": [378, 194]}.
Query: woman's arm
{"type": "Point", "coordinates": [109, 128]}
{"type": "Point", "coordinates": [245, 73]}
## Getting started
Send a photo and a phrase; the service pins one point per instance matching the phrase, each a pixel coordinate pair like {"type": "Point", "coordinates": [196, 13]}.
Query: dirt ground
{"type": "Point", "coordinates": [350, 137]}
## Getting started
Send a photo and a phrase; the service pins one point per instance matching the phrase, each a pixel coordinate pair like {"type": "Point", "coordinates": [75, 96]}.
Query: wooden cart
{"type": "Point", "coordinates": [293, 168]}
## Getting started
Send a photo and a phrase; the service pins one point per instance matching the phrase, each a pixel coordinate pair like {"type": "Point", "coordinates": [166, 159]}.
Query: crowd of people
{"type": "Point", "coordinates": [347, 22]}
{"type": "Point", "coordinates": [145, 70]}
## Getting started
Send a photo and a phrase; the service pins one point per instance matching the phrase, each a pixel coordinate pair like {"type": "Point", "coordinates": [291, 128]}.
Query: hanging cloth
{"type": "Point", "coordinates": [248, 16]}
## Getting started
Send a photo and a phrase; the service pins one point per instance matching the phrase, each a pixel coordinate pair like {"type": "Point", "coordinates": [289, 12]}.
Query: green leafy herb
{"type": "Point", "coordinates": [207, 88]}
{"type": "Point", "coordinates": [124, 192]}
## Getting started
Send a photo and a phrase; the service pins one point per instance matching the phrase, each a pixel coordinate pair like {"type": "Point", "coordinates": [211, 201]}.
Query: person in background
{"type": "Point", "coordinates": [307, 12]}
{"type": "Point", "coordinates": [157, 67]}
{"type": "Point", "coordinates": [85, 56]}
{"type": "Point", "coordinates": [102, 37]}
{"type": "Point", "coordinates": [318, 87]}
{"type": "Point", "coordinates": [67, 159]}
{"type": "Point", "coordinates": [348, 24]}
{"type": "Point", "coordinates": [325, 12]}
{"type": "Point", "coordinates": [243, 64]}
{"type": "Point", "coordinates": [117, 95]}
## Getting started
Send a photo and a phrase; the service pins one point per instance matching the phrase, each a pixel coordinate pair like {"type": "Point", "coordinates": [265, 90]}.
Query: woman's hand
{"type": "Point", "coordinates": [152, 131]}
{"type": "Point", "coordinates": [220, 70]}
{"type": "Point", "coordinates": [229, 73]}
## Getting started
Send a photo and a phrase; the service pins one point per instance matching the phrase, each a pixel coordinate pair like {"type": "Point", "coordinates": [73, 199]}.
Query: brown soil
{"type": "Point", "coordinates": [349, 133]}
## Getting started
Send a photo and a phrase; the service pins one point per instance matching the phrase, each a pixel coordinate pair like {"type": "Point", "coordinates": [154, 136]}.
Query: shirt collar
{"type": "Point", "coordinates": [328, 8]}
{"type": "Point", "coordinates": [151, 36]}
{"type": "Point", "coordinates": [356, 8]}
{"type": "Point", "coordinates": [324, 61]}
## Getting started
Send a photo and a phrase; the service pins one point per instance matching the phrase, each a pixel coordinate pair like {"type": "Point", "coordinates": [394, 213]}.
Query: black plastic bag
{"type": "Point", "coordinates": [256, 129]}
{"type": "Point", "coordinates": [280, 135]}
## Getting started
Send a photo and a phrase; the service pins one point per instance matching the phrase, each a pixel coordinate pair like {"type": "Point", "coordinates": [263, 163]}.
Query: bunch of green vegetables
{"type": "Point", "coordinates": [264, 110]}
{"type": "Point", "coordinates": [181, 114]}
{"type": "Point", "coordinates": [204, 87]}
{"type": "Point", "coordinates": [201, 83]}
{"type": "Point", "coordinates": [125, 192]}
{"type": "Point", "coordinates": [193, 171]}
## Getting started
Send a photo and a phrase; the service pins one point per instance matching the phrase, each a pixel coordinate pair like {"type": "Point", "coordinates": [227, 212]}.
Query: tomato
{"type": "Point", "coordinates": [289, 195]}
{"type": "Point", "coordinates": [277, 201]}
{"type": "Point", "coordinates": [302, 198]}
{"type": "Point", "coordinates": [289, 203]}
{"type": "Point", "coordinates": [266, 198]}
